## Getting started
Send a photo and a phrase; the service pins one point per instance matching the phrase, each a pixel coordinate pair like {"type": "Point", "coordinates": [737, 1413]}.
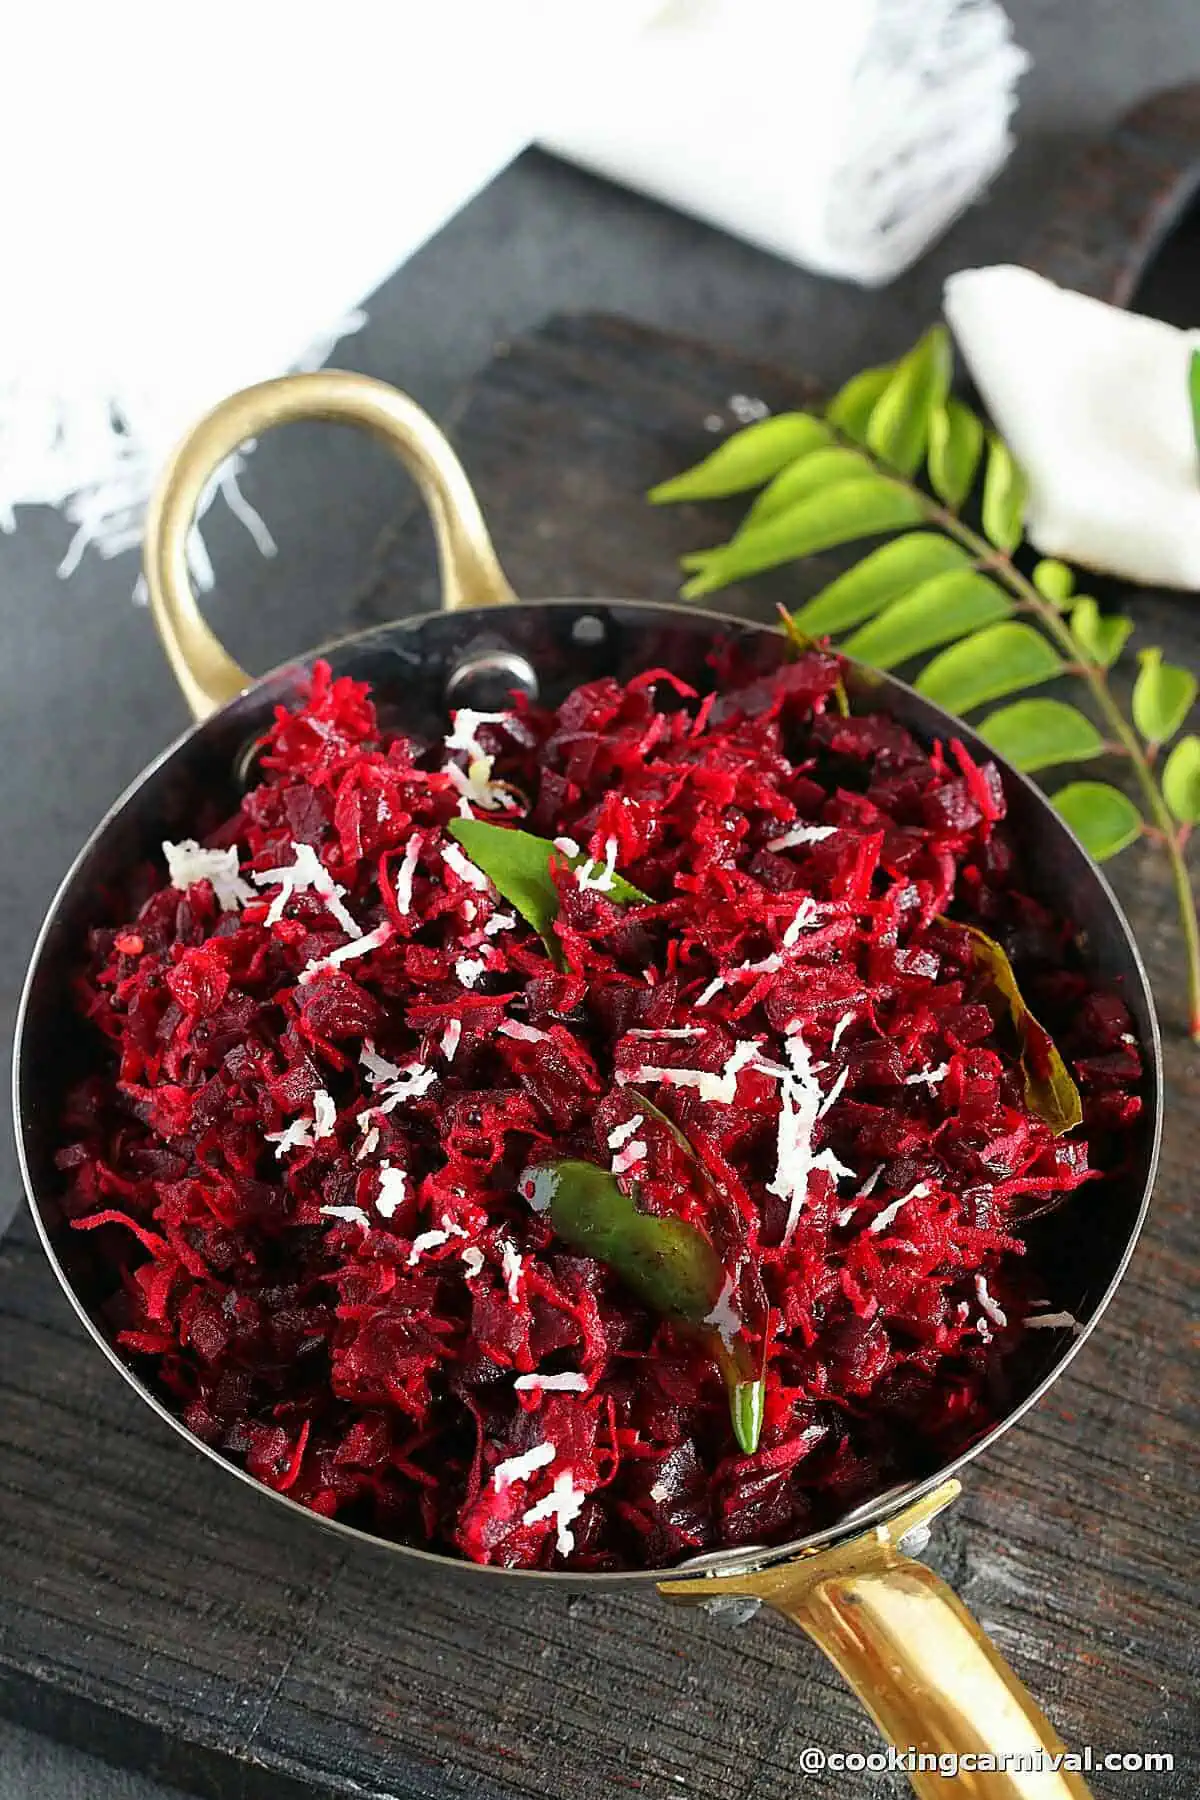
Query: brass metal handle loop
{"type": "Point", "coordinates": [471, 573]}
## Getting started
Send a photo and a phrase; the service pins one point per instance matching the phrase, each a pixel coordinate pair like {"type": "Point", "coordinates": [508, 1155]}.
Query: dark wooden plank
{"type": "Point", "coordinates": [153, 1607]}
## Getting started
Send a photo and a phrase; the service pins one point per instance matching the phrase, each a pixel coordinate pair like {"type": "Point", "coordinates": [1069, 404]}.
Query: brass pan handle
{"type": "Point", "coordinates": [471, 573]}
{"type": "Point", "coordinates": [927, 1673]}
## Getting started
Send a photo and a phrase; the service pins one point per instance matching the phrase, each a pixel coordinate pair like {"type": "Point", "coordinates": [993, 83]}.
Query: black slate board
{"type": "Point", "coordinates": [153, 1610]}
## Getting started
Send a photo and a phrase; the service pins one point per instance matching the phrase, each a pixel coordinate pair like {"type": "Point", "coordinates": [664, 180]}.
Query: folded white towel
{"type": "Point", "coordinates": [1093, 402]}
{"type": "Point", "coordinates": [844, 137]}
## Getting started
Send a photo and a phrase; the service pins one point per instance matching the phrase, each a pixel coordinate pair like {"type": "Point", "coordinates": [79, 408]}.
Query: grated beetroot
{"type": "Point", "coordinates": [318, 1083]}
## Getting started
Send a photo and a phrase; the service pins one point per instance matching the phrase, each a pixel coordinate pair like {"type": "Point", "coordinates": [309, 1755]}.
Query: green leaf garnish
{"type": "Point", "coordinates": [1181, 781]}
{"type": "Point", "coordinates": [1099, 637]}
{"type": "Point", "coordinates": [863, 478]}
{"type": "Point", "coordinates": [667, 1263]}
{"type": "Point", "coordinates": [1103, 818]}
{"type": "Point", "coordinates": [851, 407]}
{"type": "Point", "coordinates": [518, 865]}
{"type": "Point", "coordinates": [898, 428]}
{"type": "Point", "coordinates": [1050, 1091]}
{"type": "Point", "coordinates": [935, 612]}
{"type": "Point", "coordinates": [879, 580]}
{"type": "Point", "coordinates": [857, 508]}
{"type": "Point", "coordinates": [1004, 493]}
{"type": "Point", "coordinates": [1037, 734]}
{"type": "Point", "coordinates": [1162, 697]}
{"type": "Point", "coordinates": [808, 475]}
{"type": "Point", "coordinates": [955, 447]}
{"type": "Point", "coordinates": [989, 664]}
{"type": "Point", "coordinates": [746, 459]}
{"type": "Point", "coordinates": [1054, 580]}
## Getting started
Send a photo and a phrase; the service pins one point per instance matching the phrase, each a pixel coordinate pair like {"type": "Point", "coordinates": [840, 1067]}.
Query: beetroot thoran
{"type": "Point", "coordinates": [329, 1055]}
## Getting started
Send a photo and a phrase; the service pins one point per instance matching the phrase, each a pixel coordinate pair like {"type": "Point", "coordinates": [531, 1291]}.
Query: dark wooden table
{"type": "Point", "coordinates": [152, 1607]}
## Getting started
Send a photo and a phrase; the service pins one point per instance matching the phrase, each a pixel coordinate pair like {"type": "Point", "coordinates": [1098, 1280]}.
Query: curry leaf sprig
{"type": "Point", "coordinates": [948, 590]}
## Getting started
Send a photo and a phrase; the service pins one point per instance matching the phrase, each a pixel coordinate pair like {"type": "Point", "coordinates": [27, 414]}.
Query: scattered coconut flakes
{"type": "Point", "coordinates": [567, 1383]}
{"type": "Point", "coordinates": [711, 991]}
{"type": "Point", "coordinates": [499, 922]}
{"type": "Point", "coordinates": [931, 1077]}
{"type": "Point", "coordinates": [884, 1219]}
{"type": "Point", "coordinates": [188, 863]}
{"type": "Point", "coordinates": [845, 1020]}
{"type": "Point", "coordinates": [462, 865]}
{"type": "Point", "coordinates": [520, 1468]}
{"type": "Point", "coordinates": [524, 1034]}
{"type": "Point", "coordinates": [659, 1491]}
{"type": "Point", "coordinates": [567, 845]}
{"type": "Point", "coordinates": [725, 1318]}
{"type": "Point", "coordinates": [428, 1240]}
{"type": "Point", "coordinates": [512, 1263]}
{"type": "Point", "coordinates": [802, 834]}
{"type": "Point", "coordinates": [410, 1084]}
{"type": "Point", "coordinates": [834, 1091]}
{"type": "Point", "coordinates": [539, 1186]}
{"type": "Point", "coordinates": [984, 1330]}
{"type": "Point", "coordinates": [406, 871]}
{"type": "Point", "coordinates": [1052, 1321]}
{"type": "Point", "coordinates": [562, 1504]}
{"type": "Point", "coordinates": [666, 1031]}
{"type": "Point", "coordinates": [629, 1157]}
{"type": "Point", "coordinates": [466, 722]}
{"type": "Point", "coordinates": [378, 1068]}
{"type": "Point", "coordinates": [324, 1114]}
{"type": "Point", "coordinates": [473, 1261]}
{"type": "Point", "coordinates": [721, 1088]}
{"type": "Point", "coordinates": [296, 1136]}
{"type": "Point", "coordinates": [307, 874]}
{"type": "Point", "coordinates": [621, 1134]}
{"type": "Point", "coordinates": [370, 1141]}
{"type": "Point", "coordinates": [451, 1038]}
{"type": "Point", "coordinates": [350, 1215]}
{"type": "Point", "coordinates": [869, 1185]}
{"type": "Point", "coordinates": [808, 913]}
{"type": "Point", "coordinates": [374, 940]}
{"type": "Point", "coordinates": [586, 876]}
{"type": "Point", "coordinates": [991, 1307]}
{"type": "Point", "coordinates": [393, 1190]}
{"type": "Point", "coordinates": [476, 787]}
{"type": "Point", "coordinates": [469, 969]}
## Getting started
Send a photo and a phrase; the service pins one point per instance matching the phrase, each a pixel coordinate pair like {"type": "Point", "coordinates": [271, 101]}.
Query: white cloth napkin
{"type": "Point", "coordinates": [198, 199]}
{"type": "Point", "coordinates": [1093, 402]}
{"type": "Point", "coordinates": [844, 137]}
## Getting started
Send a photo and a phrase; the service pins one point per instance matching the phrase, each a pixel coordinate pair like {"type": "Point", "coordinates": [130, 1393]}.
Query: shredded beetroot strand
{"type": "Point", "coordinates": [301, 1144]}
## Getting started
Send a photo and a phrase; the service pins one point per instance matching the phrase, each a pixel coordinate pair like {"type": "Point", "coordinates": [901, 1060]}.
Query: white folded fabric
{"type": "Point", "coordinates": [844, 137]}
{"type": "Point", "coordinates": [1093, 402]}
{"type": "Point", "coordinates": [198, 199]}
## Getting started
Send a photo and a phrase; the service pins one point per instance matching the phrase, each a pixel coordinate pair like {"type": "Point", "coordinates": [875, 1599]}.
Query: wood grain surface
{"type": "Point", "coordinates": [153, 1608]}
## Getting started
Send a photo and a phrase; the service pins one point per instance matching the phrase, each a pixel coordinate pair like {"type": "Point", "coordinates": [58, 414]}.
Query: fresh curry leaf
{"type": "Point", "coordinates": [668, 1264]}
{"type": "Point", "coordinates": [1194, 397]}
{"type": "Point", "coordinates": [1050, 1091]}
{"type": "Point", "coordinates": [883, 577]}
{"type": "Point", "coordinates": [1004, 493]}
{"type": "Point", "coordinates": [1036, 734]}
{"type": "Point", "coordinates": [955, 447]}
{"type": "Point", "coordinates": [1181, 780]}
{"type": "Point", "coordinates": [851, 407]}
{"type": "Point", "coordinates": [518, 865]}
{"type": "Point", "coordinates": [936, 612]}
{"type": "Point", "coordinates": [837, 515]}
{"type": "Point", "coordinates": [1162, 697]}
{"type": "Point", "coordinates": [1054, 580]}
{"type": "Point", "coordinates": [898, 428]}
{"type": "Point", "coordinates": [824, 468]}
{"type": "Point", "coordinates": [999, 660]}
{"type": "Point", "coordinates": [1103, 818]}
{"type": "Point", "coordinates": [1101, 637]}
{"type": "Point", "coordinates": [746, 459]}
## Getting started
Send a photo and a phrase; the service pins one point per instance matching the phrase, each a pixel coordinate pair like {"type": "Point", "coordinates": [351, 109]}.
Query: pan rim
{"type": "Point", "coordinates": [742, 1559]}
